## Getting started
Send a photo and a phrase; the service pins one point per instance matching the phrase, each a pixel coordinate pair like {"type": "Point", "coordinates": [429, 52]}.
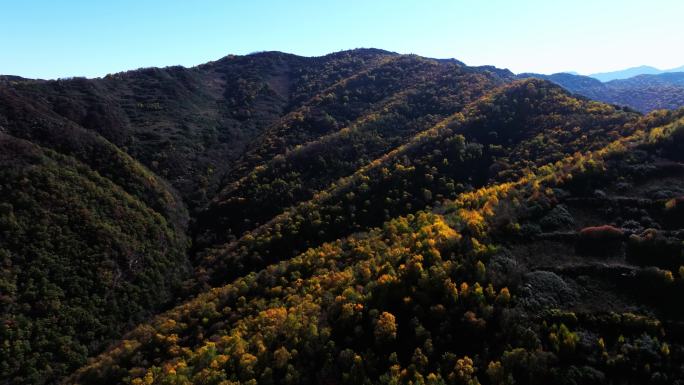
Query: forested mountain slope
{"type": "Point", "coordinates": [188, 124]}
{"type": "Point", "coordinates": [294, 173]}
{"type": "Point", "coordinates": [359, 217]}
{"type": "Point", "coordinates": [518, 127]}
{"type": "Point", "coordinates": [168, 139]}
{"type": "Point", "coordinates": [82, 261]}
{"type": "Point", "coordinates": [465, 294]}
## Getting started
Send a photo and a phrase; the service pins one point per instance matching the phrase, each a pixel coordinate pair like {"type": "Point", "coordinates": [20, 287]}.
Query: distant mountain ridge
{"type": "Point", "coordinates": [644, 93]}
{"type": "Point", "coordinates": [631, 72]}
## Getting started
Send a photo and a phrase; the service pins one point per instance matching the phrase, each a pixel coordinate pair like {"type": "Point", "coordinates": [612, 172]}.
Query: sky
{"type": "Point", "coordinates": [50, 39]}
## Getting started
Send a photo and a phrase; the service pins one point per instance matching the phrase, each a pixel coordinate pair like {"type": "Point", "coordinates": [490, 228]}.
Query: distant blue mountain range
{"type": "Point", "coordinates": [643, 92]}
{"type": "Point", "coordinates": [631, 72]}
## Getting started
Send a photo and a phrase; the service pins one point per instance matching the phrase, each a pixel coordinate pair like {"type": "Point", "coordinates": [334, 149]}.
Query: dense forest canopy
{"type": "Point", "coordinates": [361, 217]}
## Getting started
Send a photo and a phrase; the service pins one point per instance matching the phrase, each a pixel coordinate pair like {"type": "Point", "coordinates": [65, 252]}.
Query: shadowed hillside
{"type": "Point", "coordinates": [188, 124]}
{"type": "Point", "coordinates": [82, 260]}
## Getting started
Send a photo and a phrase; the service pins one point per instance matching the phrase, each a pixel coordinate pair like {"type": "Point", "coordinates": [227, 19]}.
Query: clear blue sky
{"type": "Point", "coordinates": [50, 38]}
